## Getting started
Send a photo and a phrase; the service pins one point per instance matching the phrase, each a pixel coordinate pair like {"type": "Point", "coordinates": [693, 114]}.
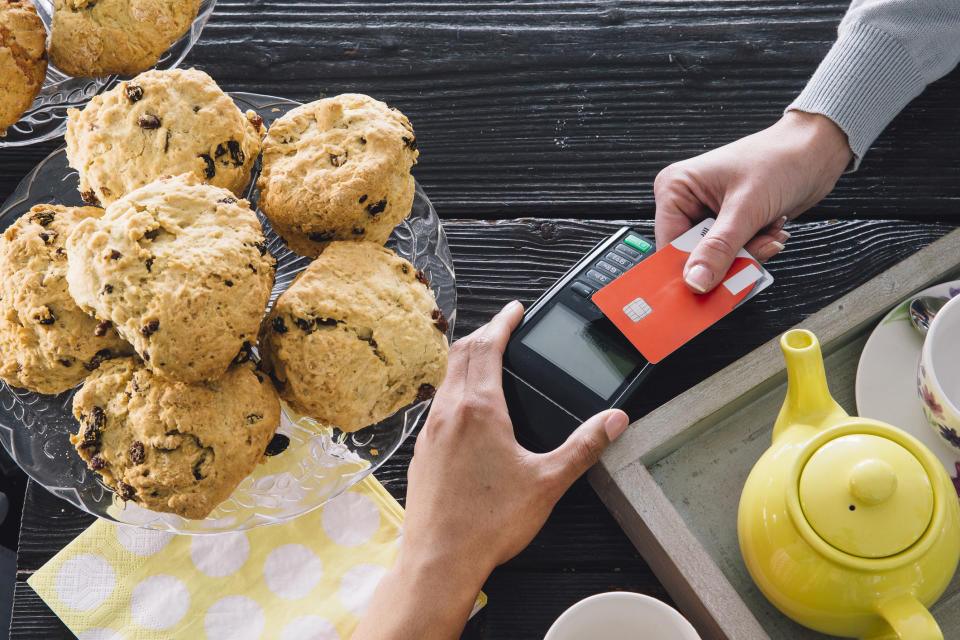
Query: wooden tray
{"type": "Point", "coordinates": [673, 480]}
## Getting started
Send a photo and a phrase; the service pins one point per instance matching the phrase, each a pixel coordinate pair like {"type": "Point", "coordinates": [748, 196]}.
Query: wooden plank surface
{"type": "Point", "coordinates": [581, 550]}
{"type": "Point", "coordinates": [569, 108]}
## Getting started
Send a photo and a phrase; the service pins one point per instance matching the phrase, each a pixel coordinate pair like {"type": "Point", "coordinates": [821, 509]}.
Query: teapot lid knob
{"type": "Point", "coordinates": [866, 495]}
{"type": "Point", "coordinates": [873, 481]}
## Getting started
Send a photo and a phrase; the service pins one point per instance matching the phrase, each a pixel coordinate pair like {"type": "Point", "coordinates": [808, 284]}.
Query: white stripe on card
{"type": "Point", "coordinates": [742, 279]}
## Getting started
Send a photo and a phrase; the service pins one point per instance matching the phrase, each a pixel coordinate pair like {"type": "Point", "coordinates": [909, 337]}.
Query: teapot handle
{"type": "Point", "coordinates": [904, 618]}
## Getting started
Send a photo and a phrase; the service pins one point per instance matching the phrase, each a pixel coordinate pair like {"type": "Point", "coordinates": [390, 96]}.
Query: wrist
{"type": "Point", "coordinates": [427, 595]}
{"type": "Point", "coordinates": [820, 138]}
{"type": "Point", "coordinates": [457, 571]}
{"type": "Point", "coordinates": [422, 597]}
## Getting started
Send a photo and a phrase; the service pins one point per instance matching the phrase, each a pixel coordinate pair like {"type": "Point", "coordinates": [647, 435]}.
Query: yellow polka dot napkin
{"type": "Point", "coordinates": [308, 579]}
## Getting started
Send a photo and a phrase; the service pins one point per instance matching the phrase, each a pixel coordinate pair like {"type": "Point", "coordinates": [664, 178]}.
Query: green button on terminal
{"type": "Point", "coordinates": [637, 243]}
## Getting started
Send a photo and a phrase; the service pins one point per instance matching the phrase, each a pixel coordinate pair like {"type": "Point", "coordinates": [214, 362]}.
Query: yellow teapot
{"type": "Point", "coordinates": [847, 525]}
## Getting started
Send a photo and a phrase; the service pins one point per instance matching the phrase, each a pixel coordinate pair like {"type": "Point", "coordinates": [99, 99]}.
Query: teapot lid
{"type": "Point", "coordinates": [866, 495]}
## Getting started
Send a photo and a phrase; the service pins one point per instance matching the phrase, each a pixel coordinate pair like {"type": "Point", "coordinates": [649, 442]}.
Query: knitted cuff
{"type": "Point", "coordinates": [865, 80]}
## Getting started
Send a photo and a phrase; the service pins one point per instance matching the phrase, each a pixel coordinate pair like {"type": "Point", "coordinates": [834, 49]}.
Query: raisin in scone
{"type": "Point", "coordinates": [181, 269]}
{"type": "Point", "coordinates": [23, 59]}
{"type": "Point", "coordinates": [93, 38]}
{"type": "Point", "coordinates": [161, 123]}
{"type": "Point", "coordinates": [170, 446]}
{"type": "Point", "coordinates": [47, 344]}
{"type": "Point", "coordinates": [357, 336]}
{"type": "Point", "coordinates": [337, 169]}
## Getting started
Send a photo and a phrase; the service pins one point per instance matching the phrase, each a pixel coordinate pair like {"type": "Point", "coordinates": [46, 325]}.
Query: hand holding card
{"type": "Point", "coordinates": [655, 309]}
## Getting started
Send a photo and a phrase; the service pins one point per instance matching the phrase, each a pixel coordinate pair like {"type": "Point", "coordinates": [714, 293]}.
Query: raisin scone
{"type": "Point", "coordinates": [161, 123]}
{"type": "Point", "coordinates": [182, 271]}
{"type": "Point", "coordinates": [93, 38]}
{"type": "Point", "coordinates": [171, 446]}
{"type": "Point", "coordinates": [337, 169]}
{"type": "Point", "coordinates": [47, 344]}
{"type": "Point", "coordinates": [355, 337]}
{"type": "Point", "coordinates": [23, 59]}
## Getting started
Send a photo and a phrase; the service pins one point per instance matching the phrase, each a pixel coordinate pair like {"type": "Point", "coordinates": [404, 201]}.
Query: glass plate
{"type": "Point", "coordinates": [320, 462]}
{"type": "Point", "coordinates": [47, 116]}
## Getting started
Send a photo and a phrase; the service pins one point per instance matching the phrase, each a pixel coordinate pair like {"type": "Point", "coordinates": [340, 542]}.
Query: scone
{"type": "Point", "coordinates": [47, 344]}
{"type": "Point", "coordinates": [23, 59]}
{"type": "Point", "coordinates": [93, 38]}
{"type": "Point", "coordinates": [169, 446]}
{"type": "Point", "coordinates": [357, 336]}
{"type": "Point", "coordinates": [337, 169]}
{"type": "Point", "coordinates": [182, 271]}
{"type": "Point", "coordinates": [161, 123]}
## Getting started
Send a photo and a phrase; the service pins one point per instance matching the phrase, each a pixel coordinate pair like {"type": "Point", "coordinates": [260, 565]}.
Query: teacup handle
{"type": "Point", "coordinates": [904, 618]}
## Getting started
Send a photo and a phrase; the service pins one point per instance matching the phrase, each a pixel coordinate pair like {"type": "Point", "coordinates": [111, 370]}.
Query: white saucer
{"type": "Point", "coordinates": [621, 615]}
{"type": "Point", "coordinates": [887, 378]}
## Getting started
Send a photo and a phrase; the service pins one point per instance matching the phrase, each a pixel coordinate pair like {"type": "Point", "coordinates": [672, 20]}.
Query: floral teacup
{"type": "Point", "coordinates": [938, 376]}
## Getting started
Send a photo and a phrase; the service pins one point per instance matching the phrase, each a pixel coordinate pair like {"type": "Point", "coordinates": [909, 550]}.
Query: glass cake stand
{"type": "Point", "coordinates": [320, 462]}
{"type": "Point", "coordinates": [47, 116]}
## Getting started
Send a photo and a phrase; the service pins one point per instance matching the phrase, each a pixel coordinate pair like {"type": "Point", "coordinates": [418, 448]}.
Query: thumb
{"type": "Point", "coordinates": [711, 259]}
{"type": "Point", "coordinates": [584, 447]}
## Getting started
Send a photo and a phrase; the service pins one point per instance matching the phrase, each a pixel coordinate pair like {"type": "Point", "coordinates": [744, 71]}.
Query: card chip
{"type": "Point", "coordinates": [637, 310]}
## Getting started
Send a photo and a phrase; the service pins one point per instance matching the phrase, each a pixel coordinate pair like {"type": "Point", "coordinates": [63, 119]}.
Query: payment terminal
{"type": "Point", "coordinates": [566, 361]}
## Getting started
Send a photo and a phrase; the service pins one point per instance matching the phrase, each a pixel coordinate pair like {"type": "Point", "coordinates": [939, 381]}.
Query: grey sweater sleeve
{"type": "Point", "coordinates": [886, 53]}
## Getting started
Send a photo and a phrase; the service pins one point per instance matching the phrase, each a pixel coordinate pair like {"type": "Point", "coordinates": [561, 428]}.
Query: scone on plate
{"type": "Point", "coordinates": [169, 446]}
{"type": "Point", "coordinates": [161, 123]}
{"type": "Point", "coordinates": [355, 337]}
{"type": "Point", "coordinates": [47, 344]}
{"type": "Point", "coordinates": [181, 269]}
{"type": "Point", "coordinates": [337, 169]}
{"type": "Point", "coordinates": [23, 59]}
{"type": "Point", "coordinates": [93, 38]}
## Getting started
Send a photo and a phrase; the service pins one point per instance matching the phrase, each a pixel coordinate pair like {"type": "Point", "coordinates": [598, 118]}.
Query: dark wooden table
{"type": "Point", "coordinates": [541, 127]}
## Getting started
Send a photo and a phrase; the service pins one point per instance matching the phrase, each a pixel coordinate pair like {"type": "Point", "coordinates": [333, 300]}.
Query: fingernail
{"type": "Point", "coordinates": [616, 424]}
{"type": "Point", "coordinates": [769, 250]}
{"type": "Point", "coordinates": [699, 278]}
{"type": "Point", "coordinates": [782, 220]}
{"type": "Point", "coordinates": [513, 304]}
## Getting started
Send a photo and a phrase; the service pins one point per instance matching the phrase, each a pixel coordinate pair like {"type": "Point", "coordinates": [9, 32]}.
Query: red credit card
{"type": "Point", "coordinates": [655, 309]}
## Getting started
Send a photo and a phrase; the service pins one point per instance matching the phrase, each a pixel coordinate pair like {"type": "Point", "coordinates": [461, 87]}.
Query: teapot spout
{"type": "Point", "coordinates": [808, 400]}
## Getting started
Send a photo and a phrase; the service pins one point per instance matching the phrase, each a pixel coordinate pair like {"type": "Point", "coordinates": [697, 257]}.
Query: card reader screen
{"type": "Point", "coordinates": [564, 338]}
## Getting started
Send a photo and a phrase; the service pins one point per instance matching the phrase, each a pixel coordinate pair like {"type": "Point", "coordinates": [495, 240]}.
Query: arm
{"type": "Point", "coordinates": [475, 497]}
{"type": "Point", "coordinates": [886, 52]}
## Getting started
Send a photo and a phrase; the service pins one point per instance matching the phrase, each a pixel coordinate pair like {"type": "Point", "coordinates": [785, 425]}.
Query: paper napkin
{"type": "Point", "coordinates": [308, 579]}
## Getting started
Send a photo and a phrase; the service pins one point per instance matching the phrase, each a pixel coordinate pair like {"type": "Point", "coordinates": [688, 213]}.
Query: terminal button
{"type": "Point", "coordinates": [596, 276]}
{"type": "Point", "coordinates": [619, 259]}
{"type": "Point", "coordinates": [609, 268]}
{"type": "Point", "coordinates": [637, 243]}
{"type": "Point", "coordinates": [582, 289]}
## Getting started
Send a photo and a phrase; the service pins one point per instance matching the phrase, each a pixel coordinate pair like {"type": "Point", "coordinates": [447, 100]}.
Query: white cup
{"type": "Point", "coordinates": [938, 376]}
{"type": "Point", "coordinates": [620, 615]}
